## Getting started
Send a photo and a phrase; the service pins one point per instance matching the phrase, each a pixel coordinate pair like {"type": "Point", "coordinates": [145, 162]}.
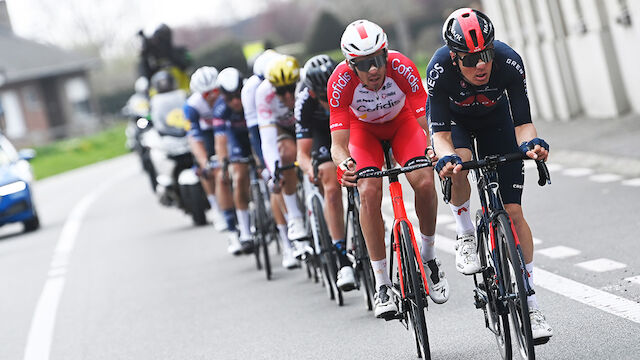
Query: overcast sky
{"type": "Point", "coordinates": [61, 21]}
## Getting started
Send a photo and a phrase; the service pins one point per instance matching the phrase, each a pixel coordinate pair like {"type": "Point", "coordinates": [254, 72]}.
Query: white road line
{"type": "Point", "coordinates": [451, 227]}
{"type": "Point", "coordinates": [634, 279]}
{"type": "Point", "coordinates": [571, 289]}
{"type": "Point", "coordinates": [38, 345]}
{"type": "Point", "coordinates": [605, 178]}
{"type": "Point", "coordinates": [558, 252]}
{"type": "Point", "coordinates": [536, 241]}
{"type": "Point", "coordinates": [444, 219]}
{"type": "Point", "coordinates": [576, 172]}
{"type": "Point", "coordinates": [601, 265]}
{"type": "Point", "coordinates": [552, 167]}
{"type": "Point", "coordinates": [632, 182]}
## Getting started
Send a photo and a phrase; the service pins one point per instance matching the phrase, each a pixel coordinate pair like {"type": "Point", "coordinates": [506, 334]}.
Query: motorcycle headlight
{"type": "Point", "coordinates": [12, 188]}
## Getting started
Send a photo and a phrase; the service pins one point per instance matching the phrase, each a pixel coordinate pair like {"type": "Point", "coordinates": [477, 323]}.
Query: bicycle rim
{"type": "Point", "coordinates": [362, 256]}
{"type": "Point", "coordinates": [498, 324]}
{"type": "Point", "coordinates": [262, 229]}
{"type": "Point", "coordinates": [513, 273]}
{"type": "Point", "coordinates": [415, 293]}
{"type": "Point", "coordinates": [329, 257]}
{"type": "Point", "coordinates": [257, 228]}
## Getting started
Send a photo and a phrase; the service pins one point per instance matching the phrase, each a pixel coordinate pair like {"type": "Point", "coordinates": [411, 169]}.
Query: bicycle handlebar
{"type": "Point", "coordinates": [392, 172]}
{"type": "Point", "coordinates": [493, 160]}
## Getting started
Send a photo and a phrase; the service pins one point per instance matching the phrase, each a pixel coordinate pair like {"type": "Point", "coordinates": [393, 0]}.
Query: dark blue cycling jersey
{"type": "Point", "coordinates": [453, 99]}
{"type": "Point", "coordinates": [232, 119]}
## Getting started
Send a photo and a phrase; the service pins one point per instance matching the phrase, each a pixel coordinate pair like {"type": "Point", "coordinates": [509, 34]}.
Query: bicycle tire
{"type": "Point", "coordinates": [362, 256]}
{"type": "Point", "coordinates": [497, 323]}
{"type": "Point", "coordinates": [263, 225]}
{"type": "Point", "coordinates": [256, 232]}
{"type": "Point", "coordinates": [328, 258]}
{"type": "Point", "coordinates": [415, 293]}
{"type": "Point", "coordinates": [513, 276]}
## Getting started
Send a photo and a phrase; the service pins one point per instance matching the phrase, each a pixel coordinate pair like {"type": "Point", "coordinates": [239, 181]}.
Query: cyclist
{"type": "Point", "coordinates": [314, 144]}
{"type": "Point", "coordinates": [477, 84]}
{"type": "Point", "coordinates": [230, 110]}
{"type": "Point", "coordinates": [248, 96]}
{"type": "Point", "coordinates": [199, 110]}
{"type": "Point", "coordinates": [275, 100]}
{"type": "Point", "coordinates": [377, 94]}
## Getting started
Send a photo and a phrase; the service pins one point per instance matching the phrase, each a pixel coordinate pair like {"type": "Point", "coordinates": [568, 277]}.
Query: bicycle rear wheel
{"type": "Point", "coordinates": [514, 275]}
{"type": "Point", "coordinates": [496, 316]}
{"type": "Point", "coordinates": [328, 260]}
{"type": "Point", "coordinates": [263, 224]}
{"type": "Point", "coordinates": [414, 292]}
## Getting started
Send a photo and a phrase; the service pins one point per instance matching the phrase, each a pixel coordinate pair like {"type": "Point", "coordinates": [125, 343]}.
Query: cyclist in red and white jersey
{"type": "Point", "coordinates": [375, 95]}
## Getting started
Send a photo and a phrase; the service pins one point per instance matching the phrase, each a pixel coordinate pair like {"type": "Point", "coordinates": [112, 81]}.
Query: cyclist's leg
{"type": "Point", "coordinates": [223, 190]}
{"type": "Point", "coordinates": [205, 143]}
{"type": "Point", "coordinates": [239, 147]}
{"type": "Point", "coordinates": [288, 151]}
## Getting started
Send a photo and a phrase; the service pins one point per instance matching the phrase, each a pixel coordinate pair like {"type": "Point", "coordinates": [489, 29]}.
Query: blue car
{"type": "Point", "coordinates": [16, 178]}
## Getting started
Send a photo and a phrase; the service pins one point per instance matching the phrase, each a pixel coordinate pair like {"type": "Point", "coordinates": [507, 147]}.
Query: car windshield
{"type": "Point", "coordinates": [8, 153]}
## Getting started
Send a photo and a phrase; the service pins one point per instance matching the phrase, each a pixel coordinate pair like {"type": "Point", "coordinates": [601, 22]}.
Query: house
{"type": "Point", "coordinates": [44, 90]}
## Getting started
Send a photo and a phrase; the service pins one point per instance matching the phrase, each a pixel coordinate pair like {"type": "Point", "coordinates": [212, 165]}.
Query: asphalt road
{"type": "Point", "coordinates": [114, 275]}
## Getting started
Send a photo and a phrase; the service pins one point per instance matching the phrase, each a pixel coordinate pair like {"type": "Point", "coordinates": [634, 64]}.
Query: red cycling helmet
{"type": "Point", "coordinates": [468, 30]}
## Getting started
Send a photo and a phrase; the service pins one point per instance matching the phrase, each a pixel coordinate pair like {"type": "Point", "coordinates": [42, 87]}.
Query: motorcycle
{"type": "Point", "coordinates": [177, 182]}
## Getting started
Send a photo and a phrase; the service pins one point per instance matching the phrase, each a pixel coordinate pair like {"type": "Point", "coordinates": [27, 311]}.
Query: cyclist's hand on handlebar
{"type": "Point", "coordinates": [536, 148]}
{"type": "Point", "coordinates": [431, 154]}
{"type": "Point", "coordinates": [448, 165]}
{"type": "Point", "coordinates": [346, 172]}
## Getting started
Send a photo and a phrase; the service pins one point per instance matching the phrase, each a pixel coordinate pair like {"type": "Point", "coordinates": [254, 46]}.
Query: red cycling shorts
{"type": "Point", "coordinates": [407, 139]}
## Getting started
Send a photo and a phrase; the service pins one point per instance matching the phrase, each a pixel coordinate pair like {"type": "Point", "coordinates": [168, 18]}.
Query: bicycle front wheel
{"type": "Point", "coordinates": [328, 261]}
{"type": "Point", "coordinates": [414, 292]}
{"type": "Point", "coordinates": [263, 224]}
{"type": "Point", "coordinates": [363, 263]}
{"type": "Point", "coordinates": [514, 275]}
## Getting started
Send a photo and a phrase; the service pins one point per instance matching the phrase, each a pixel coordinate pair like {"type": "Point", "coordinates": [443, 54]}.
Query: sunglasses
{"type": "Point", "coordinates": [471, 60]}
{"type": "Point", "coordinates": [231, 96]}
{"type": "Point", "coordinates": [281, 90]}
{"type": "Point", "coordinates": [365, 64]}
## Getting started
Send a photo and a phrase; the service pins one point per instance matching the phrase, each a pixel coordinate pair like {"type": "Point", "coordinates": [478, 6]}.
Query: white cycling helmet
{"type": "Point", "coordinates": [260, 65]}
{"type": "Point", "coordinates": [141, 85]}
{"type": "Point", "coordinates": [230, 80]}
{"type": "Point", "coordinates": [204, 79]}
{"type": "Point", "coordinates": [362, 38]}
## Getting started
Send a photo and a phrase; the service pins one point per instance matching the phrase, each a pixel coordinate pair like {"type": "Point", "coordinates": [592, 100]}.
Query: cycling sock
{"type": "Point", "coordinates": [244, 223]}
{"type": "Point", "coordinates": [230, 217]}
{"type": "Point", "coordinates": [531, 299]}
{"type": "Point", "coordinates": [428, 251]}
{"type": "Point", "coordinates": [464, 225]}
{"type": "Point", "coordinates": [284, 238]}
{"type": "Point", "coordinates": [341, 246]}
{"type": "Point", "coordinates": [213, 202]}
{"type": "Point", "coordinates": [380, 273]}
{"type": "Point", "coordinates": [291, 202]}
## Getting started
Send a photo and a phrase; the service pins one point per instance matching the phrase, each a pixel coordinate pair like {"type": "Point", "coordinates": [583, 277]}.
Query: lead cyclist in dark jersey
{"type": "Point", "coordinates": [477, 85]}
{"type": "Point", "coordinates": [313, 139]}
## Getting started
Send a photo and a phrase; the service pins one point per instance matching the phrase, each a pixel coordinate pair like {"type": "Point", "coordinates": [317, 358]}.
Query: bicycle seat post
{"type": "Point", "coordinates": [386, 147]}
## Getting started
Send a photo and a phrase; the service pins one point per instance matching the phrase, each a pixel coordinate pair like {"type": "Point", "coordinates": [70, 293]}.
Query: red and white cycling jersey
{"type": "Point", "coordinates": [349, 99]}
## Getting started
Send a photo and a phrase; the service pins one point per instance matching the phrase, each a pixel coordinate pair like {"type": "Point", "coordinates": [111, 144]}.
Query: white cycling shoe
{"type": "Point", "coordinates": [288, 260]}
{"type": "Point", "coordinates": [301, 248]}
{"type": "Point", "coordinates": [467, 260]}
{"type": "Point", "coordinates": [219, 222]}
{"type": "Point", "coordinates": [541, 331]}
{"type": "Point", "coordinates": [346, 280]}
{"type": "Point", "coordinates": [384, 305]}
{"type": "Point", "coordinates": [296, 229]}
{"type": "Point", "coordinates": [234, 246]}
{"type": "Point", "coordinates": [438, 284]}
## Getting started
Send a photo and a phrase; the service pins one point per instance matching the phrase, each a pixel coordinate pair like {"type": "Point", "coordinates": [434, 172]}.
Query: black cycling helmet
{"type": "Point", "coordinates": [467, 30]}
{"type": "Point", "coordinates": [317, 71]}
{"type": "Point", "coordinates": [162, 82]}
{"type": "Point", "coordinates": [162, 35]}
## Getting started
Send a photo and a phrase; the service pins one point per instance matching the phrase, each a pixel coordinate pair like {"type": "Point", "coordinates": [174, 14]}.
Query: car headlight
{"type": "Point", "coordinates": [12, 188]}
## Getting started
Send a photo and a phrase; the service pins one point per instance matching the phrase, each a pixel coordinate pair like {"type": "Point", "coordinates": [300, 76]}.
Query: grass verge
{"type": "Point", "coordinates": [73, 153]}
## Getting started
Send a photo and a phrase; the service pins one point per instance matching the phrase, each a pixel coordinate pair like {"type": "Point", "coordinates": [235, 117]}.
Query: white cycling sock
{"type": "Point", "coordinates": [380, 273]}
{"type": "Point", "coordinates": [464, 225]}
{"type": "Point", "coordinates": [244, 224]}
{"type": "Point", "coordinates": [531, 299]}
{"type": "Point", "coordinates": [284, 238]}
{"type": "Point", "coordinates": [428, 251]}
{"type": "Point", "coordinates": [291, 202]}
{"type": "Point", "coordinates": [214, 203]}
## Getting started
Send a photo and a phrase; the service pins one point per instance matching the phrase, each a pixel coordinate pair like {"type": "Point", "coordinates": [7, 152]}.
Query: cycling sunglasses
{"type": "Point", "coordinates": [281, 90]}
{"type": "Point", "coordinates": [471, 60]}
{"type": "Point", "coordinates": [365, 64]}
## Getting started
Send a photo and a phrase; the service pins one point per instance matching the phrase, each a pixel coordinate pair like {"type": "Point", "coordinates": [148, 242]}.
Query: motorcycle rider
{"type": "Point", "coordinates": [158, 52]}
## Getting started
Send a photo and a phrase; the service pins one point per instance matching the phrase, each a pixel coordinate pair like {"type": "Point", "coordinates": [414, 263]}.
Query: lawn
{"type": "Point", "coordinates": [73, 153]}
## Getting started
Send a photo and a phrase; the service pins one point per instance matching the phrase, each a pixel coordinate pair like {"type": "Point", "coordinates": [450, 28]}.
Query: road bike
{"type": "Point", "coordinates": [501, 287]}
{"type": "Point", "coordinates": [357, 253]}
{"type": "Point", "coordinates": [407, 273]}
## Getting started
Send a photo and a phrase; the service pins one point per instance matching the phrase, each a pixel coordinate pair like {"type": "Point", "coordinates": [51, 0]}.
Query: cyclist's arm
{"type": "Point", "coordinates": [525, 132]}
{"type": "Point", "coordinates": [199, 151]}
{"type": "Point", "coordinates": [269, 139]}
{"type": "Point", "coordinates": [340, 146]}
{"type": "Point", "coordinates": [304, 146]}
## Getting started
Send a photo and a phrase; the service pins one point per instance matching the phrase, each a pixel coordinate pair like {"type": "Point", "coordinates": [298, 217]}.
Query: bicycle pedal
{"type": "Point", "coordinates": [392, 316]}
